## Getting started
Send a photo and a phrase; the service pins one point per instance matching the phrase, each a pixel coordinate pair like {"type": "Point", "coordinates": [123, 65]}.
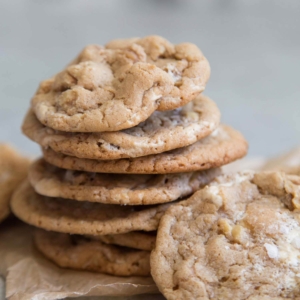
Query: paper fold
{"type": "Point", "coordinates": [30, 276]}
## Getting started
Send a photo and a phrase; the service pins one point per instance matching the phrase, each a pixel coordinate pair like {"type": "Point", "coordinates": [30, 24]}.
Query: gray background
{"type": "Point", "coordinates": [253, 48]}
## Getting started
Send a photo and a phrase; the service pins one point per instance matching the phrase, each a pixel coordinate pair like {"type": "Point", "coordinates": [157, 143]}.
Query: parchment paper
{"type": "Point", "coordinates": [255, 163]}
{"type": "Point", "coordinates": [30, 276]}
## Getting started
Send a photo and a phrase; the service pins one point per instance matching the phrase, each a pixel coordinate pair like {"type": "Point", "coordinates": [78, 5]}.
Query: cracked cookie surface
{"type": "Point", "coordinates": [81, 217]}
{"type": "Point", "coordinates": [238, 238]}
{"type": "Point", "coordinates": [77, 252]}
{"type": "Point", "coordinates": [223, 146]}
{"type": "Point", "coordinates": [162, 131]}
{"type": "Point", "coordinates": [13, 169]}
{"type": "Point", "coordinates": [120, 85]}
{"type": "Point", "coordinates": [124, 189]}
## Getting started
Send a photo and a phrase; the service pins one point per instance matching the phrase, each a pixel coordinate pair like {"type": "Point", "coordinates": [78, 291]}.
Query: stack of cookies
{"type": "Point", "coordinates": [125, 134]}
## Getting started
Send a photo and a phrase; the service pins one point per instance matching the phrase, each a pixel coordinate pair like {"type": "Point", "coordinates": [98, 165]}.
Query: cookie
{"type": "Point", "coordinates": [238, 238]}
{"type": "Point", "coordinates": [86, 218]}
{"type": "Point", "coordinates": [77, 252]}
{"type": "Point", "coordinates": [288, 162]}
{"type": "Point", "coordinates": [124, 189]}
{"type": "Point", "coordinates": [223, 146]}
{"type": "Point", "coordinates": [13, 169]}
{"type": "Point", "coordinates": [162, 131]}
{"type": "Point", "coordinates": [119, 86]}
{"type": "Point", "coordinates": [136, 239]}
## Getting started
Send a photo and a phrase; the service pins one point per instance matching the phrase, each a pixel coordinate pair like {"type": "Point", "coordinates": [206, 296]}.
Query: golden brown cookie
{"type": "Point", "coordinates": [237, 238]}
{"type": "Point", "coordinates": [13, 169]}
{"type": "Point", "coordinates": [86, 218]}
{"type": "Point", "coordinates": [124, 189]}
{"type": "Point", "coordinates": [162, 131]}
{"type": "Point", "coordinates": [80, 253]}
{"type": "Point", "coordinates": [223, 146]}
{"type": "Point", "coordinates": [136, 239]}
{"type": "Point", "coordinates": [119, 86]}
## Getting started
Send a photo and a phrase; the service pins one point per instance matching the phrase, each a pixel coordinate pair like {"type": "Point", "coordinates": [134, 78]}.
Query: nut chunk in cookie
{"type": "Point", "coordinates": [239, 237]}
{"type": "Point", "coordinates": [120, 85]}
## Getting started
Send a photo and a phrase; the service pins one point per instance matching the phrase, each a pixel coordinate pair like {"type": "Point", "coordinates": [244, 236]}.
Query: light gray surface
{"type": "Point", "coordinates": [253, 47]}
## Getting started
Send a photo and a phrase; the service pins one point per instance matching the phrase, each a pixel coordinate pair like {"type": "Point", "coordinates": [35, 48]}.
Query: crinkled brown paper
{"type": "Point", "coordinates": [30, 276]}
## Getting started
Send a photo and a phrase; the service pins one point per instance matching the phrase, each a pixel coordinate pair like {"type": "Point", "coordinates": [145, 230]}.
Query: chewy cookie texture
{"type": "Point", "coordinates": [238, 238]}
{"type": "Point", "coordinates": [126, 135]}
{"type": "Point", "coordinates": [120, 85]}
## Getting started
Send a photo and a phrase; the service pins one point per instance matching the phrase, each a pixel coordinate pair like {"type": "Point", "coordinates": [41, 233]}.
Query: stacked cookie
{"type": "Point", "coordinates": [125, 133]}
